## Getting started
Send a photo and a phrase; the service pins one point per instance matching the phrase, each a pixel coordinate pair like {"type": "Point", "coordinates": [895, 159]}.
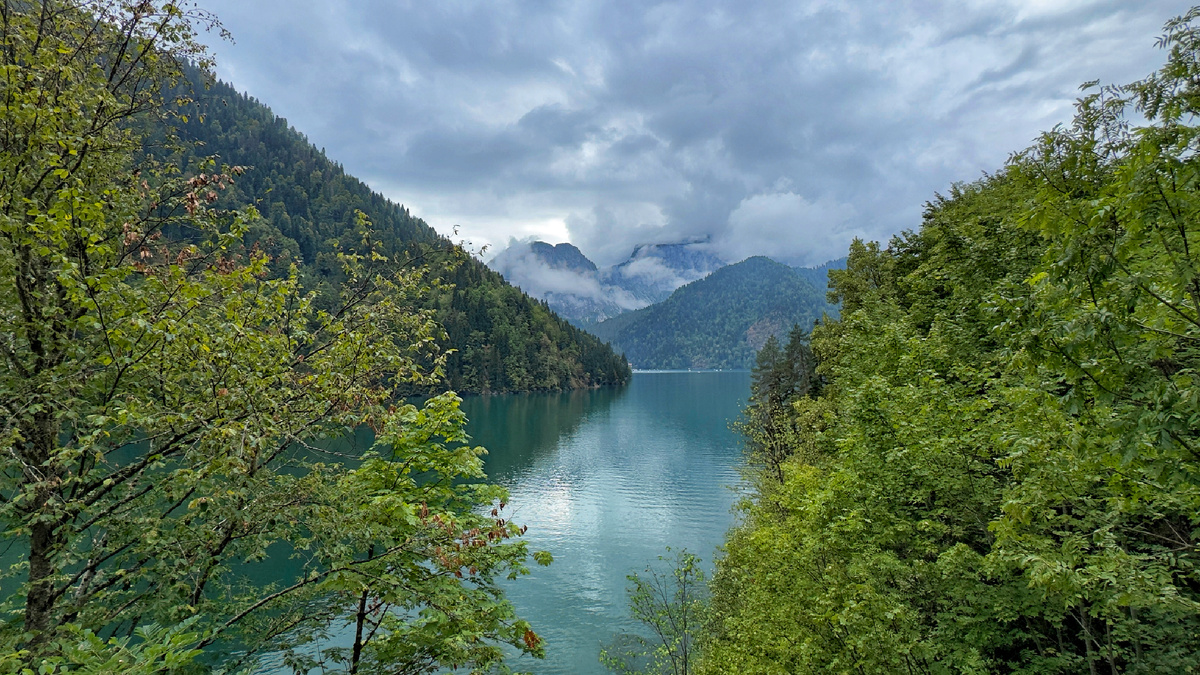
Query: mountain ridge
{"type": "Point", "coordinates": [719, 321]}
{"type": "Point", "coordinates": [498, 338]}
{"type": "Point", "coordinates": [585, 294]}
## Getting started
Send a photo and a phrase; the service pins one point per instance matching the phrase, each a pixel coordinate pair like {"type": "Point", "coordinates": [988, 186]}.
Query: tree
{"type": "Point", "coordinates": [1011, 476]}
{"type": "Point", "coordinates": [801, 364]}
{"type": "Point", "coordinates": [766, 377]}
{"type": "Point", "coordinates": [1108, 338]}
{"type": "Point", "coordinates": [782, 380]}
{"type": "Point", "coordinates": [869, 276]}
{"type": "Point", "coordinates": [673, 606]}
{"type": "Point", "coordinates": [164, 400]}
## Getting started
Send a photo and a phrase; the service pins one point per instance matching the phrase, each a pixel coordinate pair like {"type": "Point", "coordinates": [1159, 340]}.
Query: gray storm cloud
{"type": "Point", "coordinates": [777, 128]}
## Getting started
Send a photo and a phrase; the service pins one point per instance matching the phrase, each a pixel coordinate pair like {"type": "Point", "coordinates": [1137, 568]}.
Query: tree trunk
{"type": "Point", "coordinates": [43, 475]}
{"type": "Point", "coordinates": [358, 633]}
{"type": "Point", "coordinates": [361, 621]}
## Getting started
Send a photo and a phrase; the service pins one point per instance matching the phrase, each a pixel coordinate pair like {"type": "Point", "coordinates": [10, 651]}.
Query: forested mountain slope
{"type": "Point", "coordinates": [819, 275]}
{"type": "Point", "coordinates": [995, 466]}
{"type": "Point", "coordinates": [504, 340]}
{"type": "Point", "coordinates": [718, 321]}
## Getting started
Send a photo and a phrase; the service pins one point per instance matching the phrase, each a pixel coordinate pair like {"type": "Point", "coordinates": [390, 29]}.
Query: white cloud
{"type": "Point", "coordinates": [786, 226]}
{"type": "Point", "coordinates": [778, 127]}
{"type": "Point", "coordinates": [582, 291]}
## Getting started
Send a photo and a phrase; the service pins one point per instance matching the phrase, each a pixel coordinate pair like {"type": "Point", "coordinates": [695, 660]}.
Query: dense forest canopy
{"type": "Point", "coordinates": [991, 462]}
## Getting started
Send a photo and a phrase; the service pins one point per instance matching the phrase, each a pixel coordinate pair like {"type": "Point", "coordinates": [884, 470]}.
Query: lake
{"type": "Point", "coordinates": [606, 480]}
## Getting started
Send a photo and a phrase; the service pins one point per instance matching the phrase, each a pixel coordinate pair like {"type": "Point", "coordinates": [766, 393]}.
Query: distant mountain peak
{"type": "Point", "coordinates": [760, 261]}
{"type": "Point", "coordinates": [562, 256]}
{"type": "Point", "coordinates": [720, 320]}
{"type": "Point", "coordinates": [679, 255]}
{"type": "Point", "coordinates": [577, 289]}
{"type": "Point", "coordinates": [818, 275]}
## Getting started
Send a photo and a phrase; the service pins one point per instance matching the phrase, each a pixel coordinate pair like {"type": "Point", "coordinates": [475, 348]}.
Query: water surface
{"type": "Point", "coordinates": [606, 480]}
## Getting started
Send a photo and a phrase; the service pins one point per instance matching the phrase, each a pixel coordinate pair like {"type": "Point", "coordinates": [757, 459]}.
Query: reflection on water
{"type": "Point", "coordinates": [606, 480]}
{"type": "Point", "coordinates": [522, 427]}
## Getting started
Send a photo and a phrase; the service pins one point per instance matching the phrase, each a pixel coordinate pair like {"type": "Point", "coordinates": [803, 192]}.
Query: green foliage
{"type": "Point", "coordinates": [156, 650]}
{"type": "Point", "coordinates": [673, 606]}
{"type": "Point", "coordinates": [1001, 473]}
{"type": "Point", "coordinates": [867, 278]}
{"type": "Point", "coordinates": [169, 402]}
{"type": "Point", "coordinates": [783, 409]}
{"type": "Point", "coordinates": [499, 338]}
{"type": "Point", "coordinates": [719, 321]}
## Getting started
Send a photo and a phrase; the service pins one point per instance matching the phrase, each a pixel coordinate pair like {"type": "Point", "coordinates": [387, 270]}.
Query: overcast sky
{"type": "Point", "coordinates": [776, 128]}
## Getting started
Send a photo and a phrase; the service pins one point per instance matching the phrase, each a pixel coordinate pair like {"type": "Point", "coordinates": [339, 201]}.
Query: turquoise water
{"type": "Point", "coordinates": [606, 480]}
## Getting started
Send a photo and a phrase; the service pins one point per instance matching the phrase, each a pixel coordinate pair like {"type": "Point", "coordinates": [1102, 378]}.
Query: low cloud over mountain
{"type": "Point", "coordinates": [574, 287]}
